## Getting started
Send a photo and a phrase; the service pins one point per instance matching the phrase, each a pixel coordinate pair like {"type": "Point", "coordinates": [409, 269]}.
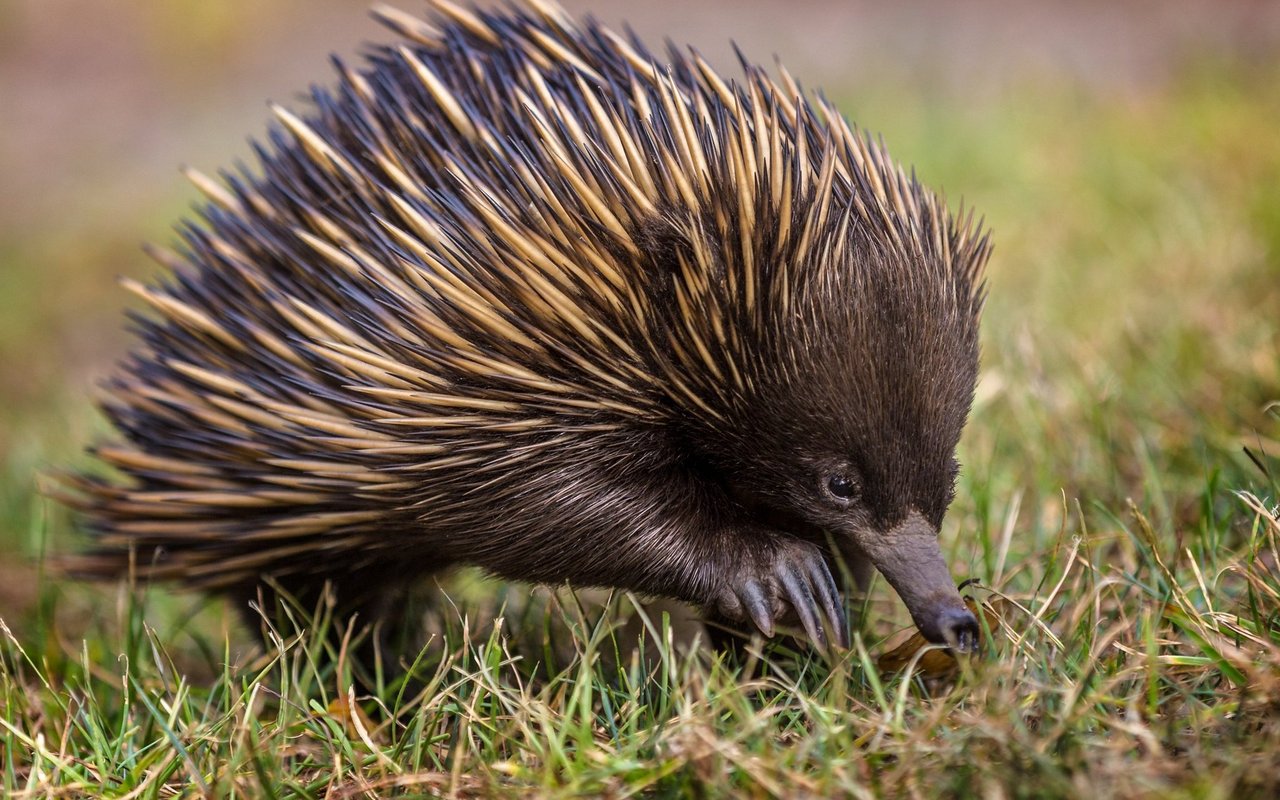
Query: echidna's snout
{"type": "Point", "coordinates": [909, 557]}
{"type": "Point", "coordinates": [955, 627]}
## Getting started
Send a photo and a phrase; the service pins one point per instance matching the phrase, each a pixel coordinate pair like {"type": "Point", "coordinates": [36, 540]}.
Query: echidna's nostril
{"type": "Point", "coordinates": [959, 629]}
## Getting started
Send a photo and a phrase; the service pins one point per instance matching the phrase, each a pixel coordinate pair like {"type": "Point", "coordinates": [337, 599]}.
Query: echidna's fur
{"type": "Point", "coordinates": [519, 294]}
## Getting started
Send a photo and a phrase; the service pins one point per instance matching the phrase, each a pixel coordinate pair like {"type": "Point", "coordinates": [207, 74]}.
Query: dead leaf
{"type": "Point", "coordinates": [349, 714]}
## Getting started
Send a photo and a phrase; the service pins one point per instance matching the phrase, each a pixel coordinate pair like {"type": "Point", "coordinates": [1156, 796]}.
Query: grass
{"type": "Point", "coordinates": [1126, 546]}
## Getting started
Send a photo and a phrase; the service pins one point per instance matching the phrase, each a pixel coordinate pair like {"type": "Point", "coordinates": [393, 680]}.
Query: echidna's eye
{"type": "Point", "coordinates": [841, 486]}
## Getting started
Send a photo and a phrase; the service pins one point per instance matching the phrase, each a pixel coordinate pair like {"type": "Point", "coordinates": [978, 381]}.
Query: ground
{"type": "Point", "coordinates": [1117, 506]}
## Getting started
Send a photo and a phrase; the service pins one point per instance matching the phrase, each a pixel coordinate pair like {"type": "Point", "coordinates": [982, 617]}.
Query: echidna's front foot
{"type": "Point", "coordinates": [794, 577]}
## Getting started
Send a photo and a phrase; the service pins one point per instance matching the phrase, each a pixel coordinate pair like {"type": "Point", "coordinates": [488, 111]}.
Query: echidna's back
{"type": "Point", "coordinates": [353, 285]}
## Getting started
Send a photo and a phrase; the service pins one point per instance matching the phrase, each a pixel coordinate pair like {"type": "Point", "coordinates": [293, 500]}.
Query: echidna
{"type": "Point", "coordinates": [520, 295]}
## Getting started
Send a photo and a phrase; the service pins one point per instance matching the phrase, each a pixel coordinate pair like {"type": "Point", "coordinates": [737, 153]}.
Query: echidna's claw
{"type": "Point", "coordinates": [792, 580]}
{"type": "Point", "coordinates": [801, 598]}
{"type": "Point", "coordinates": [829, 597]}
{"type": "Point", "coordinates": [758, 606]}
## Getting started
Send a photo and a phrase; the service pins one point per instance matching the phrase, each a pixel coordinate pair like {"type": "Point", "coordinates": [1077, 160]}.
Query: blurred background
{"type": "Point", "coordinates": [1127, 156]}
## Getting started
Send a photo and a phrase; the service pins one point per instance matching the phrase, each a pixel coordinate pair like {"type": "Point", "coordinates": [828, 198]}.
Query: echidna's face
{"type": "Point", "coordinates": [857, 441]}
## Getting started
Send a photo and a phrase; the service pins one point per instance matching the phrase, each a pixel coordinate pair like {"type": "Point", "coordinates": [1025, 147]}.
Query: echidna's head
{"type": "Point", "coordinates": [815, 315]}
{"type": "Point", "coordinates": [850, 433]}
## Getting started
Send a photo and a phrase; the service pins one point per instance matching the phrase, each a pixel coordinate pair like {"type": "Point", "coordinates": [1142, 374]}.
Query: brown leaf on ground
{"type": "Point", "coordinates": [353, 718]}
